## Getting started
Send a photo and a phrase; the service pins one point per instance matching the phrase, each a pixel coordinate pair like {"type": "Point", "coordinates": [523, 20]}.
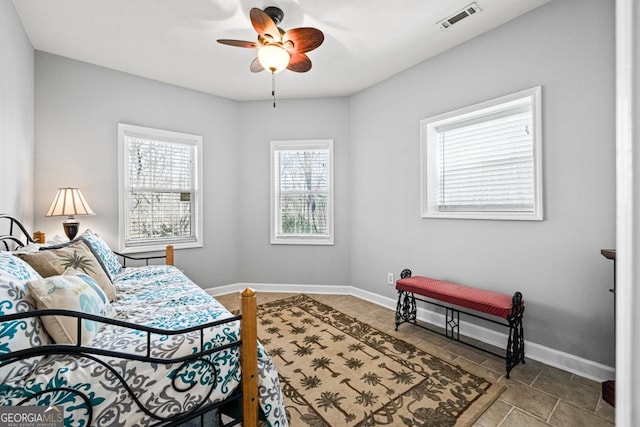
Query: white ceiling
{"type": "Point", "coordinates": [174, 41]}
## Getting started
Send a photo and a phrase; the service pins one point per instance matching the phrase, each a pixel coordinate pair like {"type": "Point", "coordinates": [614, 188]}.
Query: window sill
{"type": "Point", "coordinates": [158, 247]}
{"type": "Point", "coordinates": [505, 216]}
{"type": "Point", "coordinates": [327, 241]}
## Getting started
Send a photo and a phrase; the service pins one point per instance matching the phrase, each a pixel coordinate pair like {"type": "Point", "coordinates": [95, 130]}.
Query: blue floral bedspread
{"type": "Point", "coordinates": [162, 297]}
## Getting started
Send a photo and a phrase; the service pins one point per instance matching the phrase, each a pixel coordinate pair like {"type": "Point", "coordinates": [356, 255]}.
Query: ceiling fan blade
{"type": "Point", "coordinates": [300, 63]}
{"type": "Point", "coordinates": [255, 66]}
{"type": "Point", "coordinates": [302, 39]}
{"type": "Point", "coordinates": [264, 25]}
{"type": "Point", "coordinates": [239, 43]}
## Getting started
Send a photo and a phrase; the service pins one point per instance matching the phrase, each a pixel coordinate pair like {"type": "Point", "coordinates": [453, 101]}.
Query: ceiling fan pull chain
{"type": "Point", "coordinates": [273, 88]}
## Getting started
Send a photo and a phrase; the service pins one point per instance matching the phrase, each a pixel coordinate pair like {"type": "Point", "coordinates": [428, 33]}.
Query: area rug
{"type": "Point", "coordinates": [337, 371]}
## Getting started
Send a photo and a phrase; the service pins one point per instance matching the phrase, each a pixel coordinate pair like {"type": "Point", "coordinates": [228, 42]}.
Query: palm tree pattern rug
{"type": "Point", "coordinates": [337, 371]}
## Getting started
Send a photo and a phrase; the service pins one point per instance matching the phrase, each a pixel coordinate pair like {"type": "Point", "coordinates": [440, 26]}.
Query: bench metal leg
{"type": "Point", "coordinates": [406, 310]}
{"type": "Point", "coordinates": [515, 344]}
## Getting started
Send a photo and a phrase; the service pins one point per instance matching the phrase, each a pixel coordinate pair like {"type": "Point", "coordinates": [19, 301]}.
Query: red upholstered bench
{"type": "Point", "coordinates": [509, 308]}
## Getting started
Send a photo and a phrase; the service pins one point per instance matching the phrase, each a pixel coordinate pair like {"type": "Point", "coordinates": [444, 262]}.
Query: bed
{"type": "Point", "coordinates": [160, 352]}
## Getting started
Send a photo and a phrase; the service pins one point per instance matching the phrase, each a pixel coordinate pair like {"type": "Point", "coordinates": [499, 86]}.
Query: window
{"type": "Point", "coordinates": [160, 189]}
{"type": "Point", "coordinates": [484, 161]}
{"type": "Point", "coordinates": [302, 192]}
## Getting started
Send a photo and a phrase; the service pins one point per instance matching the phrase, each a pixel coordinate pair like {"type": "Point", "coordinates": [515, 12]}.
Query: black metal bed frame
{"type": "Point", "coordinates": [95, 354]}
{"type": "Point", "coordinates": [16, 240]}
{"type": "Point", "coordinates": [406, 312]}
{"type": "Point", "coordinates": [145, 259]}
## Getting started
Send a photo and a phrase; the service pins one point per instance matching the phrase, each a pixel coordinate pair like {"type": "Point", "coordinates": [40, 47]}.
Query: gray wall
{"type": "Point", "coordinates": [16, 116]}
{"type": "Point", "coordinates": [78, 107]}
{"type": "Point", "coordinates": [556, 263]}
{"type": "Point", "coordinates": [292, 119]}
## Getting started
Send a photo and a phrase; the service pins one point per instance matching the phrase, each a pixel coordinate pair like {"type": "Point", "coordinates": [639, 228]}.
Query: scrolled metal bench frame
{"type": "Point", "coordinates": [406, 312]}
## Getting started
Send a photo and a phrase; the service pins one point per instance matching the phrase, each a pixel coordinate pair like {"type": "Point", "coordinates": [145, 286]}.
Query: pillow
{"type": "Point", "coordinates": [23, 333]}
{"type": "Point", "coordinates": [69, 292]}
{"type": "Point", "coordinates": [103, 252]}
{"type": "Point", "coordinates": [77, 254]}
{"type": "Point", "coordinates": [12, 268]}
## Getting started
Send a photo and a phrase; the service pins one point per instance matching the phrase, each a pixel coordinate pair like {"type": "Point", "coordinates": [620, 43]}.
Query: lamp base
{"type": "Point", "coordinates": [71, 227]}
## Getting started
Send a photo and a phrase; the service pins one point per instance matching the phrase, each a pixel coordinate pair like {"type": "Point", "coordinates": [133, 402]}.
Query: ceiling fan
{"type": "Point", "coordinates": [278, 49]}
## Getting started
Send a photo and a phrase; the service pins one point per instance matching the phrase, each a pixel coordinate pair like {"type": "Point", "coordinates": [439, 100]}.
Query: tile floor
{"type": "Point", "coordinates": [536, 394]}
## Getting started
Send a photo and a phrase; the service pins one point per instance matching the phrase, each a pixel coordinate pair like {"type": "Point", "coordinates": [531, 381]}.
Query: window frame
{"type": "Point", "coordinates": [127, 130]}
{"type": "Point", "coordinates": [429, 183]}
{"type": "Point", "coordinates": [278, 238]}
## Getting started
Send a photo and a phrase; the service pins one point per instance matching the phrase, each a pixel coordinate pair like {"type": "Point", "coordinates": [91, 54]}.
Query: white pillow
{"type": "Point", "coordinates": [18, 334]}
{"type": "Point", "coordinates": [70, 292]}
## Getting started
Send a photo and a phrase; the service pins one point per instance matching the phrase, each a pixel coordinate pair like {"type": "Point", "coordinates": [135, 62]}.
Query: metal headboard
{"type": "Point", "coordinates": [17, 237]}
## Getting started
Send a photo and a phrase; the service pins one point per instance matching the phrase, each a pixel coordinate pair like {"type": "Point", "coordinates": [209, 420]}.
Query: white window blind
{"type": "Point", "coordinates": [302, 192]}
{"type": "Point", "coordinates": [484, 161]}
{"type": "Point", "coordinates": [160, 189]}
{"type": "Point", "coordinates": [487, 165]}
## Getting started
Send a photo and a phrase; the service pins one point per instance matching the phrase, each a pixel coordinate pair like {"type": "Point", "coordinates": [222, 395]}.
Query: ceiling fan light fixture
{"type": "Point", "coordinates": [278, 49]}
{"type": "Point", "coordinates": [273, 57]}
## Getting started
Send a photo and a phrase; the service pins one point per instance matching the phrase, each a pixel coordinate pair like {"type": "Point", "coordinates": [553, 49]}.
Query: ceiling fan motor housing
{"type": "Point", "coordinates": [275, 13]}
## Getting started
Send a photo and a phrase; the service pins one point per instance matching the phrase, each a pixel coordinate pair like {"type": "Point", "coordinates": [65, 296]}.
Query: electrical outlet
{"type": "Point", "coordinates": [389, 278]}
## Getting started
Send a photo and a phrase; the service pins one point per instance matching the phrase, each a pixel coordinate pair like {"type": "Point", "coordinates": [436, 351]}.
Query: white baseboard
{"type": "Point", "coordinates": [559, 359]}
{"type": "Point", "coordinates": [272, 288]}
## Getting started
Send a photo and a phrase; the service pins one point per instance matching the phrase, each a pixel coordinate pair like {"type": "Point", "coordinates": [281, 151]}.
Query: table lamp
{"type": "Point", "coordinates": [69, 202]}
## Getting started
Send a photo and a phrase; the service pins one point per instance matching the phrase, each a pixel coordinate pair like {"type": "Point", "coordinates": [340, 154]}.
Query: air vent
{"type": "Point", "coordinates": [459, 16]}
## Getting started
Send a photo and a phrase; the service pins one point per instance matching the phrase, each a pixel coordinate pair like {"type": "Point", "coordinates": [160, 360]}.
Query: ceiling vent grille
{"type": "Point", "coordinates": [459, 16]}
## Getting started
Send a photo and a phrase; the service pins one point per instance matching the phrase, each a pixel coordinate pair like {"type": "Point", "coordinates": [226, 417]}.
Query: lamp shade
{"type": "Point", "coordinates": [273, 57]}
{"type": "Point", "coordinates": [69, 202]}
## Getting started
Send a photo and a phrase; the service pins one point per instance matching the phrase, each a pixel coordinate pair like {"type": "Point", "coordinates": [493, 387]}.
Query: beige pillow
{"type": "Point", "coordinates": [76, 255]}
{"type": "Point", "coordinates": [69, 292]}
